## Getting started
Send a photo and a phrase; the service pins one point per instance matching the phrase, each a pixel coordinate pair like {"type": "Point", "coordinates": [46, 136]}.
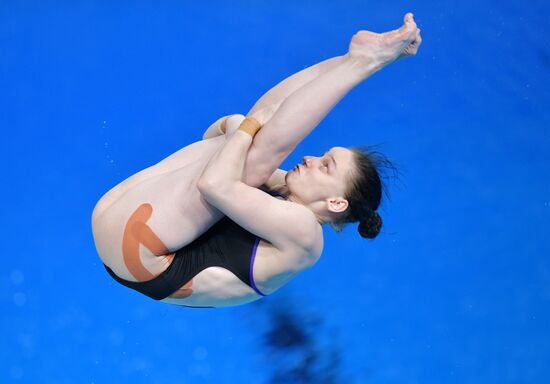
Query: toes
{"type": "Point", "coordinates": [408, 28]}
{"type": "Point", "coordinates": [408, 17]}
{"type": "Point", "coordinates": [413, 46]}
{"type": "Point", "coordinates": [418, 38]}
{"type": "Point", "coordinates": [408, 20]}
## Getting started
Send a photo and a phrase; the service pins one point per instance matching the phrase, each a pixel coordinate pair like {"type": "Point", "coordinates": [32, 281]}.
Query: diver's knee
{"type": "Point", "coordinates": [232, 123]}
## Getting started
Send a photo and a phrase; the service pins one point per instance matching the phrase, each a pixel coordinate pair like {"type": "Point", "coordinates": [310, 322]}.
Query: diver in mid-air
{"type": "Point", "coordinates": [217, 223]}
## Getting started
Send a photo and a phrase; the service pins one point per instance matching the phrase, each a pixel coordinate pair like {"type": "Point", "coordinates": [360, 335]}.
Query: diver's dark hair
{"type": "Point", "coordinates": [364, 192]}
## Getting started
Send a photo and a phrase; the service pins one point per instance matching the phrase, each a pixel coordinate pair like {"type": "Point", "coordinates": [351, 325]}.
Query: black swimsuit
{"type": "Point", "coordinates": [225, 245]}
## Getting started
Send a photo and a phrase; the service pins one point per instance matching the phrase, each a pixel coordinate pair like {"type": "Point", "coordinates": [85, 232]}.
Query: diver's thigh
{"type": "Point", "coordinates": [198, 151]}
{"type": "Point", "coordinates": [180, 213]}
{"type": "Point", "coordinates": [176, 215]}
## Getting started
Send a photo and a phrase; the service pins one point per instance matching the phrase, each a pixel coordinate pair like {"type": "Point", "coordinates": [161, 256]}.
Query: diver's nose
{"type": "Point", "coordinates": [306, 161]}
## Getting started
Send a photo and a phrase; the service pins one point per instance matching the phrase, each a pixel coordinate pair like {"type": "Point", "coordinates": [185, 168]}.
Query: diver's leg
{"type": "Point", "coordinates": [289, 85]}
{"type": "Point", "coordinates": [302, 111]}
{"type": "Point", "coordinates": [278, 93]}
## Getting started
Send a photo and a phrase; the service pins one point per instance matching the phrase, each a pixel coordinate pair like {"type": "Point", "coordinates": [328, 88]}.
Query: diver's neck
{"type": "Point", "coordinates": [282, 190]}
{"type": "Point", "coordinates": [321, 219]}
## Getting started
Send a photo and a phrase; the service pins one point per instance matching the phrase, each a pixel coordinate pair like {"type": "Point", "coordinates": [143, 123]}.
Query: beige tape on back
{"type": "Point", "coordinates": [250, 125]}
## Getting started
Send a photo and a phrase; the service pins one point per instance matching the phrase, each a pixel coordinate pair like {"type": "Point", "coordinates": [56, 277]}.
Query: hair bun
{"type": "Point", "coordinates": [370, 227]}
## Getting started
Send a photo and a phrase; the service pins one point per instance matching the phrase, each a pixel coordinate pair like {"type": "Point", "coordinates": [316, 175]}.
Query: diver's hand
{"type": "Point", "coordinates": [376, 50]}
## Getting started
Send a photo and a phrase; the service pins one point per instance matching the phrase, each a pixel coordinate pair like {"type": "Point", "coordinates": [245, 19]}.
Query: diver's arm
{"type": "Point", "coordinates": [276, 181]}
{"type": "Point", "coordinates": [288, 226]}
{"type": "Point", "coordinates": [227, 165]}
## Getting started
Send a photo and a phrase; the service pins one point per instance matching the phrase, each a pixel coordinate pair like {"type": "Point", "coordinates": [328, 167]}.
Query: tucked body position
{"type": "Point", "coordinates": [217, 223]}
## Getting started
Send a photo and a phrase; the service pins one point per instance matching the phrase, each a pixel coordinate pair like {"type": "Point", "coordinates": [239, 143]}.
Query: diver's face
{"type": "Point", "coordinates": [321, 177]}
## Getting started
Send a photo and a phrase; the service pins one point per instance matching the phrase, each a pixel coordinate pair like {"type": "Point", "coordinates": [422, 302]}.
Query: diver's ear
{"type": "Point", "coordinates": [337, 204]}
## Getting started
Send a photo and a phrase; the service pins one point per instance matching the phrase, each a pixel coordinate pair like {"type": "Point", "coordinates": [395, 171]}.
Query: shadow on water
{"type": "Point", "coordinates": [296, 346]}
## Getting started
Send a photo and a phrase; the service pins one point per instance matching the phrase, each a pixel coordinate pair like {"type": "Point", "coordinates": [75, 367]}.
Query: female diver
{"type": "Point", "coordinates": [217, 223]}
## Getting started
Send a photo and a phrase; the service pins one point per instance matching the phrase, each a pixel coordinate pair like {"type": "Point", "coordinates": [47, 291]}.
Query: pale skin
{"type": "Point", "coordinates": [178, 199]}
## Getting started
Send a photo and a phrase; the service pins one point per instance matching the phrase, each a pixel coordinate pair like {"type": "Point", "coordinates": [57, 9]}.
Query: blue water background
{"type": "Point", "coordinates": [456, 289]}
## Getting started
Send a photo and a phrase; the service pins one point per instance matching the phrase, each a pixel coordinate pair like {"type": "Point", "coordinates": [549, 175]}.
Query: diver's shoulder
{"type": "Point", "coordinates": [315, 248]}
{"type": "Point", "coordinates": [307, 236]}
{"type": "Point", "coordinates": [310, 242]}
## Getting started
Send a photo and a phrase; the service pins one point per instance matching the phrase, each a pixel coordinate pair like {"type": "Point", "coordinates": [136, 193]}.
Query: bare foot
{"type": "Point", "coordinates": [377, 50]}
